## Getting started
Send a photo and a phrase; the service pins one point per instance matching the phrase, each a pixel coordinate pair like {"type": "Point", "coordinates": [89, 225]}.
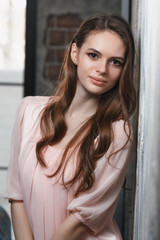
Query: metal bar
{"type": "Point", "coordinates": [10, 84]}
{"type": "Point", "coordinates": [3, 168]}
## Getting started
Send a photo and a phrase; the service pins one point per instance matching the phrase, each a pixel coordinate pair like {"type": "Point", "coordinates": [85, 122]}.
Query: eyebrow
{"type": "Point", "coordinates": [94, 50]}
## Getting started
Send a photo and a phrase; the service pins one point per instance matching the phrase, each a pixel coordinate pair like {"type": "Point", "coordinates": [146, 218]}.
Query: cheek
{"type": "Point", "coordinates": [84, 66]}
{"type": "Point", "coordinates": [116, 74]}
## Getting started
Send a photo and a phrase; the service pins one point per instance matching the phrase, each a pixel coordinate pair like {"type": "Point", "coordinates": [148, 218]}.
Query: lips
{"type": "Point", "coordinates": [98, 81]}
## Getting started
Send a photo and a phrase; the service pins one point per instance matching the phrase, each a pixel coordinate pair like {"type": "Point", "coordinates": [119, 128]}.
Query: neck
{"type": "Point", "coordinates": [84, 103]}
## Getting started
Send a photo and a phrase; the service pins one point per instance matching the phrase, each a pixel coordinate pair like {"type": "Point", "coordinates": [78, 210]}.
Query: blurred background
{"type": "Point", "coordinates": [33, 38]}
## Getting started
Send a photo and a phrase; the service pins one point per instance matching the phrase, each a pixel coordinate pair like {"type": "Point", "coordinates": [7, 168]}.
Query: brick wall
{"type": "Point", "coordinates": [59, 32]}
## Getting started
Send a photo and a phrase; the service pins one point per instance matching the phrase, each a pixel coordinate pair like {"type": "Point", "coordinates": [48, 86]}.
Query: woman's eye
{"type": "Point", "coordinates": [116, 63]}
{"type": "Point", "coordinates": [93, 55]}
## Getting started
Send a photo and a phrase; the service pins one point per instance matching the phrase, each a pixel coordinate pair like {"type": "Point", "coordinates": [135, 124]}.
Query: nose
{"type": "Point", "coordinates": [102, 67]}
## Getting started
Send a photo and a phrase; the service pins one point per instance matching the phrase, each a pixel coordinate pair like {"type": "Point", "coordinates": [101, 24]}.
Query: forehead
{"type": "Point", "coordinates": [104, 41]}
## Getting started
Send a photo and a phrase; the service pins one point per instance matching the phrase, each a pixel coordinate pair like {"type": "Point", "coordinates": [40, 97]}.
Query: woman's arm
{"type": "Point", "coordinates": [71, 229]}
{"type": "Point", "coordinates": [21, 227]}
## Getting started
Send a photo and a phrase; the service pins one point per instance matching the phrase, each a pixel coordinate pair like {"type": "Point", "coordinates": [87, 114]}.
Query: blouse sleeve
{"type": "Point", "coordinates": [96, 207]}
{"type": "Point", "coordinates": [13, 185]}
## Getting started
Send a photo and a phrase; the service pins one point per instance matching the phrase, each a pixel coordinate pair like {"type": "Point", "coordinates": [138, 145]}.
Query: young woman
{"type": "Point", "coordinates": [70, 152]}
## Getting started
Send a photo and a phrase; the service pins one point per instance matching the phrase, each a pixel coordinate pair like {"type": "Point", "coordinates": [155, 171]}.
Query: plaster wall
{"type": "Point", "coordinates": [147, 208]}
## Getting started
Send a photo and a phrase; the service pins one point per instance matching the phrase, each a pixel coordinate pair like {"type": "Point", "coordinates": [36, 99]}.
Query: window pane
{"type": "Point", "coordinates": [12, 40]}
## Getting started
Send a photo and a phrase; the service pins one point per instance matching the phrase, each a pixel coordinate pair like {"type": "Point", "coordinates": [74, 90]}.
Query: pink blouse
{"type": "Point", "coordinates": [46, 201]}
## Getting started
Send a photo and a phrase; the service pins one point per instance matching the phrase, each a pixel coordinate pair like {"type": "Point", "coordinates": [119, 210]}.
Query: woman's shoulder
{"type": "Point", "coordinates": [31, 106]}
{"type": "Point", "coordinates": [35, 100]}
{"type": "Point", "coordinates": [121, 126]}
{"type": "Point", "coordinates": [33, 103]}
{"type": "Point", "coordinates": [121, 130]}
{"type": "Point", "coordinates": [29, 112]}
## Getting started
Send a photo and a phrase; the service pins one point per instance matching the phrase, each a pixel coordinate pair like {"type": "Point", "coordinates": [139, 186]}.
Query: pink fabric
{"type": "Point", "coordinates": [46, 201]}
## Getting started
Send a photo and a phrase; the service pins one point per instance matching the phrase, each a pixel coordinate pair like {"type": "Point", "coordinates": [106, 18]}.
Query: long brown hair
{"type": "Point", "coordinates": [118, 103]}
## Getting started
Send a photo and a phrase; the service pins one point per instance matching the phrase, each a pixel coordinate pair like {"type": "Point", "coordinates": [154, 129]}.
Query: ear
{"type": "Point", "coordinates": [74, 54]}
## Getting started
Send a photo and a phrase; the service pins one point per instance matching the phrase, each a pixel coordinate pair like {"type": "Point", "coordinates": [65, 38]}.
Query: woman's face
{"type": "Point", "coordinates": [99, 61]}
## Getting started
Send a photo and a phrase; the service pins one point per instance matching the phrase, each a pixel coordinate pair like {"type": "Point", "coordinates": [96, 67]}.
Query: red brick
{"type": "Point", "coordinates": [68, 20]}
{"type": "Point", "coordinates": [53, 72]}
{"type": "Point", "coordinates": [57, 38]}
{"type": "Point", "coordinates": [51, 21]}
{"type": "Point", "coordinates": [60, 54]}
{"type": "Point", "coordinates": [50, 57]}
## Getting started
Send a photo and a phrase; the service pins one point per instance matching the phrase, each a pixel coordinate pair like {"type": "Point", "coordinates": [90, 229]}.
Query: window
{"type": "Point", "coordinates": [12, 55]}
